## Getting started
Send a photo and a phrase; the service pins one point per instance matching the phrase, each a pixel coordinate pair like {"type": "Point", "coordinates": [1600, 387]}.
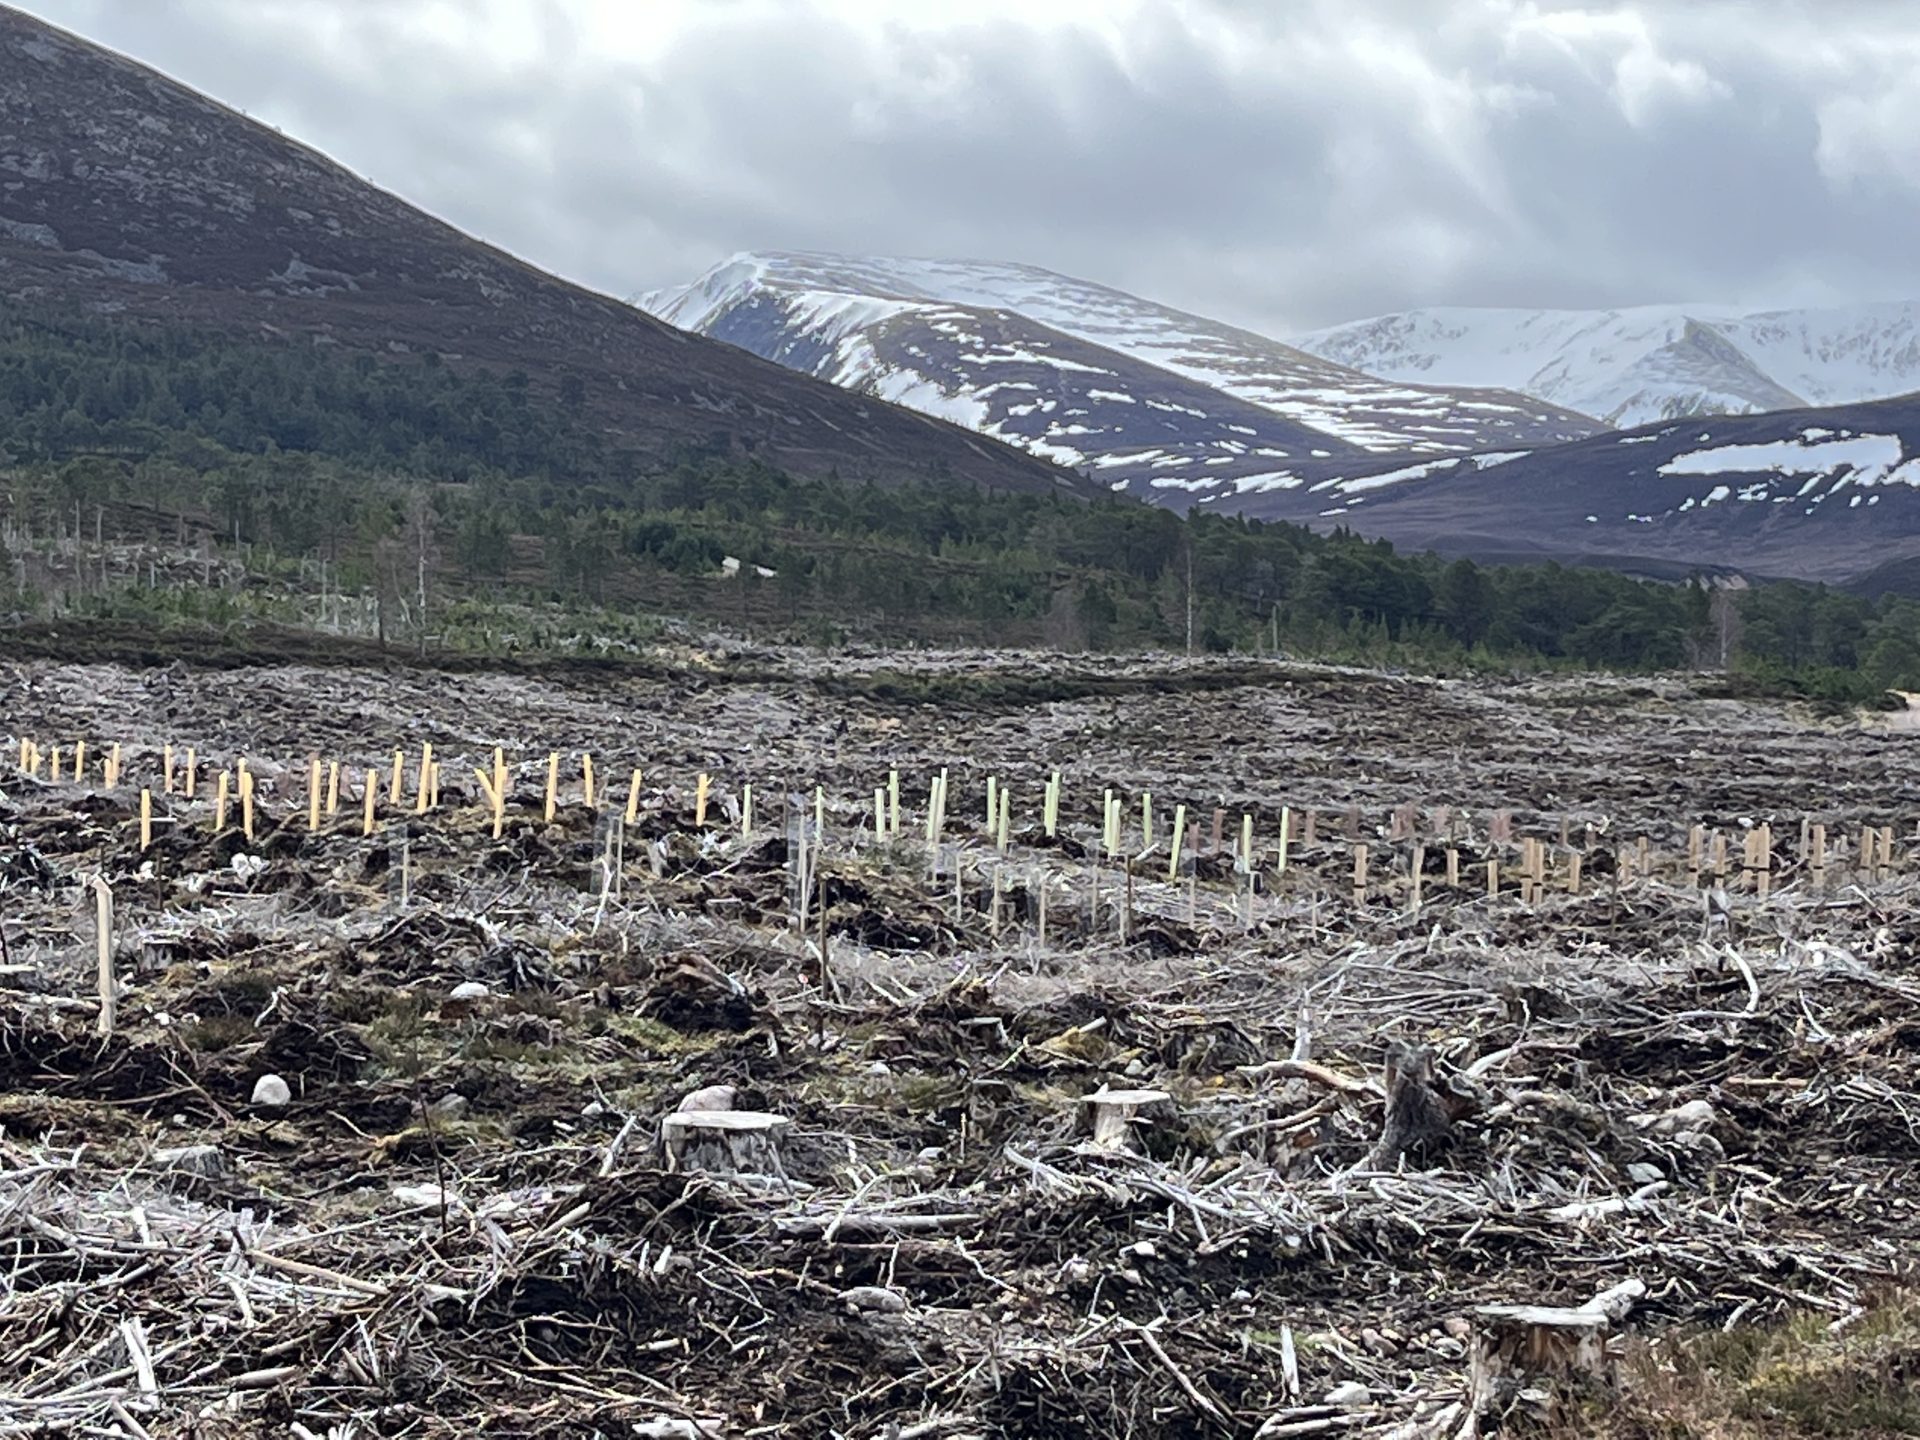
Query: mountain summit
{"type": "Point", "coordinates": [1153, 400]}
{"type": "Point", "coordinates": [1649, 363]}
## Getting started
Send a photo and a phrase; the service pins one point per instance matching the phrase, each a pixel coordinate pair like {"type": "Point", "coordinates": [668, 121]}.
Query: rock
{"type": "Point", "coordinates": [709, 1097]}
{"type": "Point", "coordinates": [1642, 1173]}
{"type": "Point", "coordinates": [469, 992]}
{"type": "Point", "coordinates": [874, 1300]}
{"type": "Point", "coordinates": [592, 1110]}
{"type": "Point", "coordinates": [451, 1106]}
{"type": "Point", "coordinates": [272, 1092]}
{"type": "Point", "coordinates": [879, 1068]}
{"type": "Point", "coordinates": [206, 1162]}
{"type": "Point", "coordinates": [246, 866]}
{"type": "Point", "coordinates": [1348, 1395]}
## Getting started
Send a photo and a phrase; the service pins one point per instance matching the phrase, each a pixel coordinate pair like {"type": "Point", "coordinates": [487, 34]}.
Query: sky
{"type": "Point", "coordinates": [1280, 164]}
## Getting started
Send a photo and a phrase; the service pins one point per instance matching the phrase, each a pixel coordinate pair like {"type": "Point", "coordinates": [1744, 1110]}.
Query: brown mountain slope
{"type": "Point", "coordinates": [124, 192]}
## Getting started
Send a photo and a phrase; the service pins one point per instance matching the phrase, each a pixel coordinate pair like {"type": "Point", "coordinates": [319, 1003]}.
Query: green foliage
{"type": "Point", "coordinates": [295, 453]}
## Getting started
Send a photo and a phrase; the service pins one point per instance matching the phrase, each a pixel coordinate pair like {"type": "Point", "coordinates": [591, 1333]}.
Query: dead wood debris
{"type": "Point", "coordinates": [465, 1218]}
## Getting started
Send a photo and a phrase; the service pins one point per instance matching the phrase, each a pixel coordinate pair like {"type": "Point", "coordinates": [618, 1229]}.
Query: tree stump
{"type": "Point", "coordinates": [1421, 1107]}
{"type": "Point", "coordinates": [1111, 1114]}
{"type": "Point", "coordinates": [723, 1142]}
{"type": "Point", "coordinates": [1525, 1357]}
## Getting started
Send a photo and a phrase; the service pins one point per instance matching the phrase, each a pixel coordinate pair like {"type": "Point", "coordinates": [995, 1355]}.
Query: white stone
{"type": "Point", "coordinates": [469, 991]}
{"type": "Point", "coordinates": [876, 1298]}
{"type": "Point", "coordinates": [271, 1091]}
{"type": "Point", "coordinates": [709, 1097]}
{"type": "Point", "coordinates": [1348, 1395]}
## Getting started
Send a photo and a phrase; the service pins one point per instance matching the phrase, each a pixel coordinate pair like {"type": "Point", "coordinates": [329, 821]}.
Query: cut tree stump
{"type": "Point", "coordinates": [1531, 1356]}
{"type": "Point", "coordinates": [1111, 1114]}
{"type": "Point", "coordinates": [723, 1142]}
{"type": "Point", "coordinates": [1421, 1107]}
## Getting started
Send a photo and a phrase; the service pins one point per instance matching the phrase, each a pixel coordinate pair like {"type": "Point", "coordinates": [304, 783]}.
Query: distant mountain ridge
{"type": "Point", "coordinates": [1152, 400]}
{"type": "Point", "coordinates": [1637, 366]}
{"type": "Point", "coordinates": [1826, 494]}
{"type": "Point", "coordinates": [125, 193]}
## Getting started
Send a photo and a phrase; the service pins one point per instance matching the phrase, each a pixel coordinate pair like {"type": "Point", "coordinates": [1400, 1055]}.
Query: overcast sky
{"type": "Point", "coordinates": [1280, 163]}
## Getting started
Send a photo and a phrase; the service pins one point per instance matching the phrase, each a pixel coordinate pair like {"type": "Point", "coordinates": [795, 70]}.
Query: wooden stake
{"type": "Point", "coordinates": [333, 788]}
{"type": "Point", "coordinates": [373, 792]}
{"type": "Point", "coordinates": [879, 813]}
{"type": "Point", "coordinates": [1493, 879]}
{"type": "Point", "coordinates": [103, 953]}
{"type": "Point", "coordinates": [399, 763]}
{"type": "Point", "coordinates": [313, 795]}
{"type": "Point", "coordinates": [1765, 856]}
{"type": "Point", "coordinates": [1574, 863]}
{"type": "Point", "coordinates": [1360, 874]}
{"type": "Point", "coordinates": [1179, 835]}
{"type": "Point", "coordinates": [1453, 868]}
{"type": "Point", "coordinates": [1146, 820]}
{"type": "Point", "coordinates": [1886, 850]}
{"type": "Point", "coordinates": [1219, 829]}
{"type": "Point", "coordinates": [993, 803]}
{"type": "Point", "coordinates": [146, 819]}
{"type": "Point", "coordinates": [586, 778]}
{"type": "Point", "coordinates": [1718, 851]}
{"type": "Point", "coordinates": [53, 772]}
{"type": "Point", "coordinates": [746, 811]}
{"type": "Point", "coordinates": [700, 799]}
{"type": "Point", "coordinates": [1418, 877]}
{"type": "Point", "coordinates": [893, 803]}
{"type": "Point", "coordinates": [1819, 858]}
{"type": "Point", "coordinates": [220, 804]}
{"type": "Point", "coordinates": [193, 772]}
{"type": "Point", "coordinates": [79, 760]}
{"type": "Point", "coordinates": [1006, 818]}
{"type": "Point", "coordinates": [633, 797]}
{"type": "Point", "coordinates": [113, 761]}
{"type": "Point", "coordinates": [553, 784]}
{"type": "Point", "coordinates": [1286, 827]}
{"type": "Point", "coordinates": [166, 769]}
{"type": "Point", "coordinates": [424, 795]}
{"type": "Point", "coordinates": [246, 805]}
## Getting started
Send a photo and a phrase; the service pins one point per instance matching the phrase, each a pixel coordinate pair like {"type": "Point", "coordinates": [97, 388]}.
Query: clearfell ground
{"type": "Point", "coordinates": [1335, 1123]}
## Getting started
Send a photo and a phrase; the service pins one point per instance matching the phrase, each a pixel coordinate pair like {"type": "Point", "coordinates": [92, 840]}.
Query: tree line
{"type": "Point", "coordinates": [391, 468]}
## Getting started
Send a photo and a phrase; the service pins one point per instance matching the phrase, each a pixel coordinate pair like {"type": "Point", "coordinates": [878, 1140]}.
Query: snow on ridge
{"type": "Point", "coordinates": [1643, 364]}
{"type": "Point", "coordinates": [1868, 459]}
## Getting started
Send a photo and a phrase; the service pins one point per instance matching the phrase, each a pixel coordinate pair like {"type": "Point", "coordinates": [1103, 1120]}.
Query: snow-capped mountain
{"type": "Point", "coordinates": [1636, 366]}
{"type": "Point", "coordinates": [1170, 406]}
{"type": "Point", "coordinates": [1824, 494]}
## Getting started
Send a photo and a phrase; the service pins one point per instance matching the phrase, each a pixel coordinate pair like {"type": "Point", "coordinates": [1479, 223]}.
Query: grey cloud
{"type": "Point", "coordinates": [1277, 165]}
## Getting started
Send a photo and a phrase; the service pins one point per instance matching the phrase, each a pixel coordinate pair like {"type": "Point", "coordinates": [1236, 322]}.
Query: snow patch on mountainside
{"type": "Point", "coordinates": [1634, 366]}
{"type": "Point", "coordinates": [940, 329]}
{"type": "Point", "coordinates": [1864, 460]}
